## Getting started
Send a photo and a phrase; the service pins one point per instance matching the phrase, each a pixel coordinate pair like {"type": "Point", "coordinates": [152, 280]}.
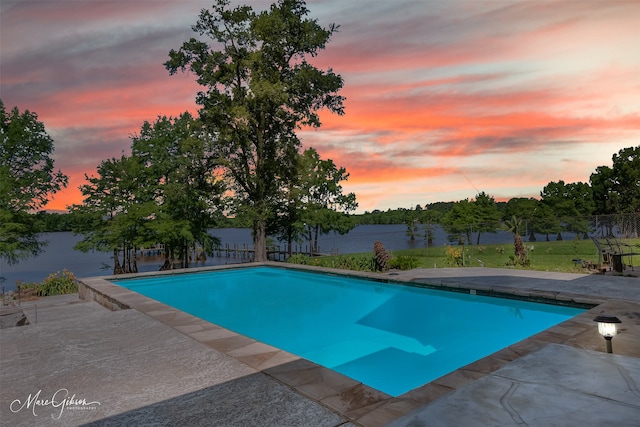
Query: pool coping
{"type": "Point", "coordinates": [355, 401]}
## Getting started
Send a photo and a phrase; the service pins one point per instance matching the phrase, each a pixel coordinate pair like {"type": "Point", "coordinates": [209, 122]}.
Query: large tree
{"type": "Point", "coordinates": [617, 189]}
{"type": "Point", "coordinates": [27, 180]}
{"type": "Point", "coordinates": [180, 178]}
{"type": "Point", "coordinates": [572, 204]}
{"type": "Point", "coordinates": [486, 214]}
{"type": "Point", "coordinates": [112, 216]}
{"type": "Point", "coordinates": [459, 220]}
{"type": "Point", "coordinates": [318, 199]}
{"type": "Point", "coordinates": [166, 192]}
{"type": "Point", "coordinates": [258, 89]}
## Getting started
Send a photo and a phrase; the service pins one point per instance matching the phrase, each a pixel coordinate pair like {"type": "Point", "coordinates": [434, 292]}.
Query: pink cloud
{"type": "Point", "coordinates": [433, 88]}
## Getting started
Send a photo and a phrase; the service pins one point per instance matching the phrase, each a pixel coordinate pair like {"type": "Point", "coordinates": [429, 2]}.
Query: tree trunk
{"type": "Point", "coordinates": [315, 240]}
{"type": "Point", "coordinates": [289, 245]}
{"type": "Point", "coordinates": [519, 250]}
{"type": "Point", "coordinates": [135, 259]}
{"type": "Point", "coordinates": [168, 259]}
{"type": "Point", "coordinates": [186, 253]}
{"type": "Point", "coordinates": [117, 269]}
{"type": "Point", "coordinates": [259, 241]}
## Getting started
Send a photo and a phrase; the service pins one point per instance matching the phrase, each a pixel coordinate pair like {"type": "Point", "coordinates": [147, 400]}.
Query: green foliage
{"type": "Point", "coordinates": [58, 283]}
{"type": "Point", "coordinates": [431, 213]}
{"type": "Point", "coordinates": [465, 217]}
{"type": "Point", "coordinates": [313, 202]}
{"type": "Point", "coordinates": [458, 221]}
{"type": "Point", "coordinates": [167, 191]}
{"type": "Point", "coordinates": [454, 256]}
{"type": "Point", "coordinates": [517, 261]}
{"type": "Point", "coordinates": [403, 262]}
{"type": "Point", "coordinates": [617, 189]}
{"type": "Point", "coordinates": [258, 90]}
{"type": "Point", "coordinates": [570, 203]}
{"type": "Point", "coordinates": [485, 215]}
{"type": "Point", "coordinates": [27, 180]}
{"type": "Point", "coordinates": [300, 259]}
{"type": "Point", "coordinates": [354, 262]}
{"type": "Point", "coordinates": [357, 262]}
{"type": "Point", "coordinates": [50, 222]}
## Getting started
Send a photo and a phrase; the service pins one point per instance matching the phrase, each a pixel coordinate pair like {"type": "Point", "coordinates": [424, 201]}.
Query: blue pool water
{"type": "Point", "coordinates": [391, 337]}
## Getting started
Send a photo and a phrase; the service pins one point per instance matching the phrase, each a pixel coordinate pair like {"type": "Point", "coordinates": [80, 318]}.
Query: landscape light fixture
{"type": "Point", "coordinates": [607, 328]}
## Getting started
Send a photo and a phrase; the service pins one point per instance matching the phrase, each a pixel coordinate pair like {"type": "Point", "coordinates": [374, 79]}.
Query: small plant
{"type": "Point", "coordinates": [59, 283]}
{"type": "Point", "coordinates": [355, 262]}
{"type": "Point", "coordinates": [454, 256]}
{"type": "Point", "coordinates": [299, 259]}
{"type": "Point", "coordinates": [518, 262]}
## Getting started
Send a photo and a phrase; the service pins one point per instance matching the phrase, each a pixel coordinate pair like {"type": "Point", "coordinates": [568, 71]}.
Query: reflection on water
{"type": "Point", "coordinates": [59, 253]}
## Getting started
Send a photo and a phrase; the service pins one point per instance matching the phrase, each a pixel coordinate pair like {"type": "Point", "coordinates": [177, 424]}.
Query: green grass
{"type": "Point", "coordinates": [543, 256]}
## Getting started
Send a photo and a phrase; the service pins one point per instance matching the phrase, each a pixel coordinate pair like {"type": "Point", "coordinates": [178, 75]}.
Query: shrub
{"type": "Point", "coordinates": [59, 283]}
{"type": "Point", "coordinates": [454, 256]}
{"type": "Point", "coordinates": [354, 262]}
{"type": "Point", "coordinates": [518, 262]}
{"type": "Point", "coordinates": [403, 262]}
{"type": "Point", "coordinates": [345, 262]}
{"type": "Point", "coordinates": [299, 259]}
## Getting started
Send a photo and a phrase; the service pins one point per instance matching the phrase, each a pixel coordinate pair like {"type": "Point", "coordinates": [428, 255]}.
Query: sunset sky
{"type": "Point", "coordinates": [444, 98]}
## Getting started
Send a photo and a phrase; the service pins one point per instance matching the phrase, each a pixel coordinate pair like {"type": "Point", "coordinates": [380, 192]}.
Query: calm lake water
{"type": "Point", "coordinates": [59, 253]}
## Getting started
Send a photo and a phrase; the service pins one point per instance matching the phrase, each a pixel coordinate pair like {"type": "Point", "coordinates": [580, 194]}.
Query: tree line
{"type": "Point", "coordinates": [561, 207]}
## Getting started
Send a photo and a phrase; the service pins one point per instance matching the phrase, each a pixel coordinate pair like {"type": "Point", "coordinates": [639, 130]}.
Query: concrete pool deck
{"type": "Point", "coordinates": [152, 364]}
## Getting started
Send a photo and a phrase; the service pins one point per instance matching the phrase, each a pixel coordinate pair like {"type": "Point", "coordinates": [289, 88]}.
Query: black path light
{"type": "Point", "coordinates": [607, 328]}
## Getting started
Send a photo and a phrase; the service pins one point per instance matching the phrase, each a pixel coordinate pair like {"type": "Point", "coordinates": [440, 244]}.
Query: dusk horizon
{"type": "Point", "coordinates": [443, 99]}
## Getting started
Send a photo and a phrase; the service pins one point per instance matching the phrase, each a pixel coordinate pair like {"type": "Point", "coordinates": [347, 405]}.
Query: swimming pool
{"type": "Point", "coordinates": [391, 337]}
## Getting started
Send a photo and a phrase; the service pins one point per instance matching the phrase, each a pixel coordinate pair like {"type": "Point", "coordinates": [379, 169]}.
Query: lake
{"type": "Point", "coordinates": [59, 253]}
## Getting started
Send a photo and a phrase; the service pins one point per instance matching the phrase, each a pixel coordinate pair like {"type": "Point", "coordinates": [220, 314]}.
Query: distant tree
{"type": "Point", "coordinates": [258, 90]}
{"type": "Point", "coordinates": [571, 203]}
{"type": "Point", "coordinates": [314, 202]}
{"type": "Point", "coordinates": [545, 221]}
{"type": "Point", "coordinates": [465, 217]}
{"type": "Point", "coordinates": [412, 228]}
{"type": "Point", "coordinates": [458, 221]}
{"type": "Point", "coordinates": [486, 216]}
{"type": "Point", "coordinates": [527, 210]}
{"type": "Point", "coordinates": [54, 221]}
{"type": "Point", "coordinates": [27, 180]}
{"type": "Point", "coordinates": [617, 189]}
{"type": "Point", "coordinates": [603, 184]}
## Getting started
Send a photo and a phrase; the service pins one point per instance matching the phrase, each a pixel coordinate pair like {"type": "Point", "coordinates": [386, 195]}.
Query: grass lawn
{"type": "Point", "coordinates": [543, 256]}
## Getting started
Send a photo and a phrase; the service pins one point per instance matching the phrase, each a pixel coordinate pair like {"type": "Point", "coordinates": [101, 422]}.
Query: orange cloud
{"type": "Point", "coordinates": [510, 95]}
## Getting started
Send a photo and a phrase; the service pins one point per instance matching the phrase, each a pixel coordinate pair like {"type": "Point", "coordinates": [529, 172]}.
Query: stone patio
{"type": "Point", "coordinates": [146, 362]}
